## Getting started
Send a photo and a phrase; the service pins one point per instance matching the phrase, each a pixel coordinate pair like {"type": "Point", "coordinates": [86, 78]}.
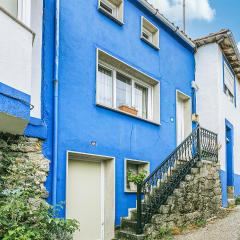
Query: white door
{"type": "Point", "coordinates": [180, 120]}
{"type": "Point", "coordinates": [84, 198]}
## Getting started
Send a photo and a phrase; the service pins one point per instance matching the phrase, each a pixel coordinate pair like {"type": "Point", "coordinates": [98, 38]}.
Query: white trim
{"type": "Point", "coordinates": [24, 11]}
{"type": "Point", "coordinates": [102, 201]}
{"type": "Point", "coordinates": [117, 10]}
{"type": "Point", "coordinates": [154, 34]}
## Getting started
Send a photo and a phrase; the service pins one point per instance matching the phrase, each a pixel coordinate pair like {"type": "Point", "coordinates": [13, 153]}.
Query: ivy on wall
{"type": "Point", "coordinates": [24, 214]}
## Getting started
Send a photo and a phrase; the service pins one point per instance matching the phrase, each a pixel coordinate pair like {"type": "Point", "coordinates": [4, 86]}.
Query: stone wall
{"type": "Point", "coordinates": [198, 198]}
{"type": "Point", "coordinates": [21, 150]}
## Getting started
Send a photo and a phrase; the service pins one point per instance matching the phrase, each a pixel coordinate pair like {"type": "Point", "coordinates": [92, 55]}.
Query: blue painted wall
{"type": "Point", "coordinates": [83, 29]}
{"type": "Point", "coordinates": [14, 102]}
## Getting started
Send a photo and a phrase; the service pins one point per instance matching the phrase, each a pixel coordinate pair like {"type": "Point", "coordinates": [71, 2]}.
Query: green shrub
{"type": "Point", "coordinates": [24, 214]}
{"type": "Point", "coordinates": [237, 201]}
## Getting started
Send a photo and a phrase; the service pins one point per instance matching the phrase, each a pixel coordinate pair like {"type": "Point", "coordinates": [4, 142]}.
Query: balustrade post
{"type": "Point", "coordinates": [139, 209]}
{"type": "Point", "coordinates": [199, 144]}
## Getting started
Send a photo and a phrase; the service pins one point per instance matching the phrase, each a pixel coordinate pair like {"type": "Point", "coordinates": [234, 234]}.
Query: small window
{"type": "Point", "coordinates": [125, 89]}
{"type": "Point", "coordinates": [20, 9]}
{"type": "Point", "coordinates": [112, 8]}
{"type": "Point", "coordinates": [134, 167]}
{"type": "Point", "coordinates": [229, 82]}
{"type": "Point", "coordinates": [11, 6]}
{"type": "Point", "coordinates": [149, 33]}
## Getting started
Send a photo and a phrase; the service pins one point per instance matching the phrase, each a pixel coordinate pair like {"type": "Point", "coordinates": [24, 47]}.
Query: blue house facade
{"type": "Point", "coordinates": [115, 97]}
{"type": "Point", "coordinates": [124, 78]}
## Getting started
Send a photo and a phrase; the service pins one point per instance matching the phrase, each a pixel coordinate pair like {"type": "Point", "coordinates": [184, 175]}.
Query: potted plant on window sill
{"type": "Point", "coordinates": [134, 179]}
{"type": "Point", "coordinates": [128, 109]}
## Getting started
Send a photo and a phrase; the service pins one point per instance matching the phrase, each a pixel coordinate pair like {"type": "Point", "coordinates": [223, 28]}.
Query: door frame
{"type": "Point", "coordinates": [187, 98]}
{"type": "Point", "coordinates": [229, 164]}
{"type": "Point", "coordinates": [88, 157]}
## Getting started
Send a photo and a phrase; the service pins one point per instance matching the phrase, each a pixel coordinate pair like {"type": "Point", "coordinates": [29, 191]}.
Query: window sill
{"type": "Point", "coordinates": [151, 44]}
{"type": "Point", "coordinates": [128, 114]}
{"type": "Point", "coordinates": [118, 21]}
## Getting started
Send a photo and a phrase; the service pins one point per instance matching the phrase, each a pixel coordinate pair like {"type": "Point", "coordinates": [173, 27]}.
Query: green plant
{"type": "Point", "coordinates": [201, 223]}
{"type": "Point", "coordinates": [137, 178]}
{"type": "Point", "coordinates": [24, 214]}
{"type": "Point", "coordinates": [237, 201]}
{"type": "Point", "coordinates": [165, 233]}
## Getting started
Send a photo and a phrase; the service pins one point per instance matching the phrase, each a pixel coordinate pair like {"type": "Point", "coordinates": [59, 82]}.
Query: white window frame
{"type": "Point", "coordinates": [24, 12]}
{"type": "Point", "coordinates": [145, 165]}
{"type": "Point", "coordinates": [133, 82]}
{"type": "Point", "coordinates": [117, 11]}
{"type": "Point", "coordinates": [153, 35]}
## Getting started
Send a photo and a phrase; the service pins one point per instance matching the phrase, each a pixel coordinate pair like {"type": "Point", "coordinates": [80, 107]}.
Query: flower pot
{"type": "Point", "coordinates": [128, 109]}
{"type": "Point", "coordinates": [133, 186]}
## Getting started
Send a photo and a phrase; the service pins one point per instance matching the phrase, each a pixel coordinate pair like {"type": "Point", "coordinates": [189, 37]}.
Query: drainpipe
{"type": "Point", "coordinates": [55, 106]}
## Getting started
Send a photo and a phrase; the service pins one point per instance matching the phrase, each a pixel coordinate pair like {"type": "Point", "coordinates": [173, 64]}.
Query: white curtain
{"type": "Point", "coordinates": [141, 100]}
{"type": "Point", "coordinates": [105, 86]}
{"type": "Point", "coordinates": [124, 91]}
{"type": "Point", "coordinates": [11, 6]}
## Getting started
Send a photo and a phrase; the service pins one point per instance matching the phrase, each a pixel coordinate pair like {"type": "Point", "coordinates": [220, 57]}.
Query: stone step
{"type": "Point", "coordinates": [231, 202]}
{"type": "Point", "coordinates": [133, 214]}
{"type": "Point", "coordinates": [127, 235]}
{"type": "Point", "coordinates": [128, 224]}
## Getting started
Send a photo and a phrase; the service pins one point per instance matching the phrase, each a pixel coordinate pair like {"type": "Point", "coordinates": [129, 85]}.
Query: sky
{"type": "Point", "coordinates": [203, 16]}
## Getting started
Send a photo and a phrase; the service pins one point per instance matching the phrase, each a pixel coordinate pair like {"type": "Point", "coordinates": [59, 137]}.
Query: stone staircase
{"type": "Point", "coordinates": [176, 193]}
{"type": "Point", "coordinates": [198, 196]}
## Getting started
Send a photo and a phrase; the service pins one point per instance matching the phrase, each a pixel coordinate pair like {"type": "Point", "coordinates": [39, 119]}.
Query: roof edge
{"type": "Point", "coordinates": [164, 20]}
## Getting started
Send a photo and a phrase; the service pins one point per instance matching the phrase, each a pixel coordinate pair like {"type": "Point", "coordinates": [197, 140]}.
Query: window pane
{"type": "Point", "coordinates": [11, 6]}
{"type": "Point", "coordinates": [105, 86]}
{"type": "Point", "coordinates": [123, 91]}
{"type": "Point", "coordinates": [141, 100]}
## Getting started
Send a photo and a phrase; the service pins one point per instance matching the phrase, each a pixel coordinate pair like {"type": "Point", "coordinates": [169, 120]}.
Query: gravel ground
{"type": "Point", "coordinates": [227, 228]}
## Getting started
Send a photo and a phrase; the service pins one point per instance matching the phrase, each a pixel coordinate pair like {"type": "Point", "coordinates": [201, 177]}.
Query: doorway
{"type": "Point", "coordinates": [229, 153]}
{"type": "Point", "coordinates": [90, 196]}
{"type": "Point", "coordinates": [183, 116]}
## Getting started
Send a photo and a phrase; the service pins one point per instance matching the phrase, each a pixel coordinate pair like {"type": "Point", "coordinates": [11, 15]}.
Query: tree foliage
{"type": "Point", "coordinates": [24, 214]}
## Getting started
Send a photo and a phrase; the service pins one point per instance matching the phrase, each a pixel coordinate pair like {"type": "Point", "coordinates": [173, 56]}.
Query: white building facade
{"type": "Point", "coordinates": [218, 103]}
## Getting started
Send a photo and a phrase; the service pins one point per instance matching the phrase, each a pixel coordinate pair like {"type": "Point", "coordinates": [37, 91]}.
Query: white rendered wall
{"type": "Point", "coordinates": [16, 54]}
{"type": "Point", "coordinates": [213, 106]}
{"type": "Point", "coordinates": [36, 26]}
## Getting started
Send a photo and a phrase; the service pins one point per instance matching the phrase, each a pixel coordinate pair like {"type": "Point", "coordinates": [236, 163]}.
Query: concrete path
{"type": "Point", "coordinates": [227, 228]}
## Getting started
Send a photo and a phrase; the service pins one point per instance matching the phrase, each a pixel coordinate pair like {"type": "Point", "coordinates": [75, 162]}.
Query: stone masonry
{"type": "Point", "coordinates": [22, 149]}
{"type": "Point", "coordinates": [197, 198]}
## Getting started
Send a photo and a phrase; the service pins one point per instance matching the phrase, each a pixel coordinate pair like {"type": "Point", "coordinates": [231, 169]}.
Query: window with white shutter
{"type": "Point", "coordinates": [229, 82]}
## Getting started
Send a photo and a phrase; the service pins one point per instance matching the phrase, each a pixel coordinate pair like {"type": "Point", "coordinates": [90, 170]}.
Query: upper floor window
{"type": "Point", "coordinates": [229, 82]}
{"type": "Point", "coordinates": [125, 89]}
{"type": "Point", "coordinates": [20, 9]}
{"type": "Point", "coordinates": [11, 6]}
{"type": "Point", "coordinates": [149, 33]}
{"type": "Point", "coordinates": [112, 8]}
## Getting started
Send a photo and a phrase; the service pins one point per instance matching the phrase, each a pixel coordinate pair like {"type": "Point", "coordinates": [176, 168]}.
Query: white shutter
{"type": "Point", "coordinates": [228, 78]}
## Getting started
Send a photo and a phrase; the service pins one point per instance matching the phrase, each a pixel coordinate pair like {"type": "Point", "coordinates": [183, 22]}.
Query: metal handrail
{"type": "Point", "coordinates": [201, 143]}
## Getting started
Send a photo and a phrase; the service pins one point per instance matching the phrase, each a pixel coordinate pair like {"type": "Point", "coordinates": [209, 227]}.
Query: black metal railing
{"type": "Point", "coordinates": [156, 188]}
